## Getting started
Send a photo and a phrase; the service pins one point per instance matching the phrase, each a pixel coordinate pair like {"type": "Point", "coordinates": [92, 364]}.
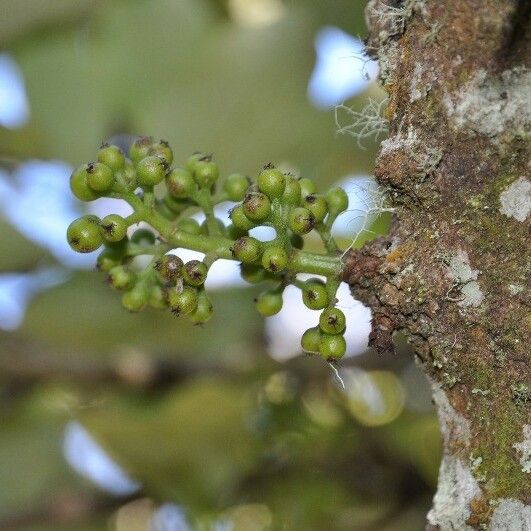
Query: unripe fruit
{"type": "Point", "coordinates": [143, 237]}
{"type": "Point", "coordinates": [234, 232]}
{"type": "Point", "coordinates": [332, 347]}
{"type": "Point", "coordinates": [192, 161]}
{"type": "Point", "coordinates": [120, 277]}
{"type": "Point", "coordinates": [301, 220]}
{"type": "Point", "coordinates": [275, 259]}
{"type": "Point", "coordinates": [292, 192]}
{"type": "Point", "coordinates": [252, 273]}
{"type": "Point", "coordinates": [297, 241]}
{"type": "Point", "coordinates": [79, 185]}
{"type": "Point", "coordinates": [337, 200]}
{"type": "Point", "coordinates": [206, 231]}
{"type": "Point", "coordinates": [256, 206]}
{"type": "Point", "coordinates": [332, 321]}
{"type": "Point", "coordinates": [316, 205]}
{"type": "Point", "coordinates": [314, 295]}
{"type": "Point", "coordinates": [195, 273]}
{"type": "Point", "coordinates": [163, 151]}
{"type": "Point", "coordinates": [150, 171]}
{"type": "Point", "coordinates": [157, 298]}
{"type": "Point", "coordinates": [169, 268]}
{"type": "Point", "coordinates": [310, 340]}
{"type": "Point", "coordinates": [307, 187]}
{"type": "Point", "coordinates": [114, 228]}
{"type": "Point", "coordinates": [99, 177]}
{"type": "Point", "coordinates": [136, 299]}
{"type": "Point", "coordinates": [269, 303]}
{"type": "Point", "coordinates": [247, 249]}
{"type": "Point", "coordinates": [204, 311]}
{"type": "Point", "coordinates": [180, 183]}
{"type": "Point", "coordinates": [240, 220]}
{"type": "Point", "coordinates": [206, 173]}
{"type": "Point", "coordinates": [128, 176]}
{"type": "Point", "coordinates": [111, 156]}
{"type": "Point", "coordinates": [84, 234]}
{"type": "Point", "coordinates": [235, 186]}
{"type": "Point", "coordinates": [140, 149]}
{"type": "Point", "coordinates": [182, 302]}
{"type": "Point", "coordinates": [271, 182]}
{"type": "Point", "coordinates": [110, 257]}
{"type": "Point", "coordinates": [189, 225]}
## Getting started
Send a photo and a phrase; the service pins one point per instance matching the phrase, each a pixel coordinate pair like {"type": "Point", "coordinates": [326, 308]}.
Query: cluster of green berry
{"type": "Point", "coordinates": [288, 204]}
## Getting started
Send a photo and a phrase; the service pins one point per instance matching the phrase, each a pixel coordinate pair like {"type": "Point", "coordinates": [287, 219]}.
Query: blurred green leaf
{"type": "Point", "coordinates": [16, 252]}
{"type": "Point", "coordinates": [190, 449]}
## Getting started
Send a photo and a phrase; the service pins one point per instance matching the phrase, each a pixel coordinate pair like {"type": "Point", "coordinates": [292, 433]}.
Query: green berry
{"type": "Point", "coordinates": [240, 220]}
{"type": "Point", "coordinates": [269, 303]}
{"type": "Point", "coordinates": [136, 299]}
{"type": "Point", "coordinates": [301, 220]}
{"type": "Point", "coordinates": [252, 273]}
{"type": "Point", "coordinates": [205, 230]}
{"type": "Point", "coordinates": [163, 151]}
{"type": "Point", "coordinates": [119, 277]}
{"type": "Point", "coordinates": [332, 321]}
{"type": "Point", "coordinates": [169, 268]}
{"type": "Point", "coordinates": [297, 241]}
{"type": "Point", "coordinates": [292, 192]}
{"type": "Point", "coordinates": [195, 273]}
{"type": "Point", "coordinates": [314, 295]}
{"type": "Point", "coordinates": [182, 302]}
{"type": "Point", "coordinates": [189, 225]}
{"type": "Point", "coordinates": [310, 340]}
{"type": "Point", "coordinates": [84, 234]}
{"type": "Point", "coordinates": [271, 182]}
{"type": "Point", "coordinates": [150, 171]}
{"type": "Point", "coordinates": [99, 177]}
{"type": "Point", "coordinates": [140, 149]}
{"type": "Point", "coordinates": [114, 227]}
{"type": "Point", "coordinates": [337, 200]}
{"type": "Point", "coordinates": [196, 157]}
{"type": "Point", "coordinates": [157, 297]}
{"type": "Point", "coordinates": [111, 156]}
{"type": "Point", "coordinates": [143, 237]}
{"type": "Point", "coordinates": [275, 259]}
{"type": "Point", "coordinates": [204, 310]}
{"type": "Point", "coordinates": [180, 183]}
{"type": "Point", "coordinates": [79, 185]}
{"type": "Point", "coordinates": [316, 204]}
{"type": "Point", "coordinates": [247, 249]}
{"type": "Point", "coordinates": [110, 257]}
{"type": "Point", "coordinates": [235, 186]}
{"type": "Point", "coordinates": [234, 232]}
{"type": "Point", "coordinates": [307, 187]}
{"type": "Point", "coordinates": [256, 206]}
{"type": "Point", "coordinates": [206, 173]}
{"type": "Point", "coordinates": [332, 347]}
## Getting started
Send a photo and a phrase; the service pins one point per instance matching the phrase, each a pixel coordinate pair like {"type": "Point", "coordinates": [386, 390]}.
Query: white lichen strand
{"type": "Point", "coordinates": [466, 280]}
{"type": "Point", "coordinates": [510, 515]}
{"type": "Point", "coordinates": [456, 488]}
{"type": "Point", "coordinates": [418, 89]}
{"type": "Point", "coordinates": [493, 105]}
{"type": "Point", "coordinates": [515, 200]}
{"type": "Point", "coordinates": [524, 449]}
{"type": "Point", "coordinates": [401, 140]}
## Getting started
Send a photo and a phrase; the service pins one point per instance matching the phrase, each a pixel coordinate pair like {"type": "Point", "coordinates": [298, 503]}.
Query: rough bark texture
{"type": "Point", "coordinates": [453, 275]}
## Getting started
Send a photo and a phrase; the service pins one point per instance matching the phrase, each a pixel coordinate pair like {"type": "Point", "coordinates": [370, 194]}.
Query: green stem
{"type": "Point", "coordinates": [300, 262]}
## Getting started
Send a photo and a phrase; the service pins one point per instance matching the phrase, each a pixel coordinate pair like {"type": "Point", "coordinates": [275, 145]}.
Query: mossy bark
{"type": "Point", "coordinates": [453, 274]}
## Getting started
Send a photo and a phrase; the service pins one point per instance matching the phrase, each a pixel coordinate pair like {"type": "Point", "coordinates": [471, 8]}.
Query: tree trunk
{"type": "Point", "coordinates": [453, 275]}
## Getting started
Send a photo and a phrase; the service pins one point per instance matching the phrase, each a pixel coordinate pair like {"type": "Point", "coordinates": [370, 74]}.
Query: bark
{"type": "Point", "coordinates": [453, 274]}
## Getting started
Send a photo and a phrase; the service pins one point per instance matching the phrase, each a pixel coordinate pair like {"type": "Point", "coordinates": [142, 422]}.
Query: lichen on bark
{"type": "Point", "coordinates": [453, 273]}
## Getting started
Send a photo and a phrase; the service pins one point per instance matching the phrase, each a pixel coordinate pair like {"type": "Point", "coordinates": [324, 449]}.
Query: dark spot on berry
{"type": "Point", "coordinates": [312, 295]}
{"type": "Point", "coordinates": [311, 198]}
{"type": "Point", "coordinates": [269, 166]}
{"type": "Point", "coordinates": [104, 145]}
{"type": "Point", "coordinates": [90, 167]}
{"type": "Point", "coordinates": [165, 143]}
{"type": "Point", "coordinates": [207, 157]}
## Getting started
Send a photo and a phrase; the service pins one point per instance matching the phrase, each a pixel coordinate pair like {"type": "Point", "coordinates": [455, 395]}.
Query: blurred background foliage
{"type": "Point", "coordinates": [119, 421]}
